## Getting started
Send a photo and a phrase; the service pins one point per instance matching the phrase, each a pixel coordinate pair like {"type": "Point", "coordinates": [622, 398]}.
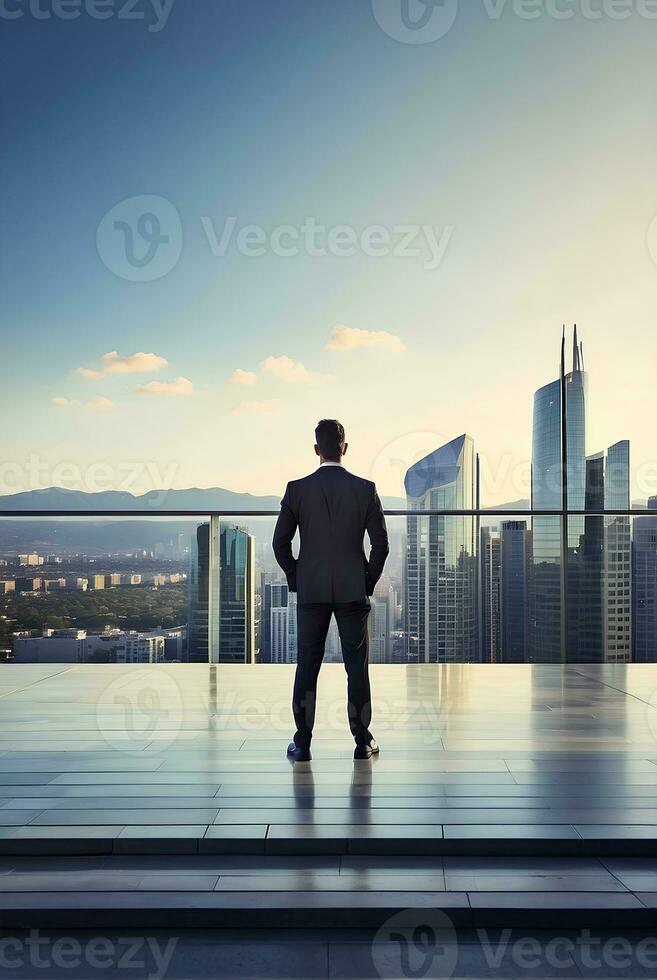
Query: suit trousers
{"type": "Point", "coordinates": [313, 621]}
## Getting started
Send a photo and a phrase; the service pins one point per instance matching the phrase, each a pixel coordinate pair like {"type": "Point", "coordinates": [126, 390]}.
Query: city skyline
{"type": "Point", "coordinates": [558, 591]}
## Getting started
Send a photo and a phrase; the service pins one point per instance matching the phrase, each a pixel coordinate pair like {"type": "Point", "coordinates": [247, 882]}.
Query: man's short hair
{"type": "Point", "coordinates": [330, 437]}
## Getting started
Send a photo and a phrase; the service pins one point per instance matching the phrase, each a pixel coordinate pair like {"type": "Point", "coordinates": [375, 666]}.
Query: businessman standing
{"type": "Point", "coordinates": [332, 509]}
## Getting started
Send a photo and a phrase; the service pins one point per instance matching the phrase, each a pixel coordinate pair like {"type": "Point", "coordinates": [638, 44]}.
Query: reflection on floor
{"type": "Point", "coordinates": [503, 795]}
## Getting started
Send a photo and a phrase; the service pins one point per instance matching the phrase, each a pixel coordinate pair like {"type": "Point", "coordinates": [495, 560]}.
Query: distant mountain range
{"type": "Point", "coordinates": [113, 533]}
{"type": "Point", "coordinates": [213, 499]}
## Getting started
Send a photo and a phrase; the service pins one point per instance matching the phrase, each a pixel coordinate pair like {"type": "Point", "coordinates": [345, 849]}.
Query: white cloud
{"type": "Point", "coordinates": [97, 403]}
{"type": "Point", "coordinates": [240, 377]}
{"type": "Point", "coordinates": [273, 407]}
{"type": "Point", "coordinates": [181, 387]}
{"type": "Point", "coordinates": [351, 338]}
{"type": "Point", "coordinates": [286, 369]}
{"type": "Point", "coordinates": [111, 363]}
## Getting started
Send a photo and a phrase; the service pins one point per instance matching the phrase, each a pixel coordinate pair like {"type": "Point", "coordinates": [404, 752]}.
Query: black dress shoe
{"type": "Point", "coordinates": [297, 754]}
{"type": "Point", "coordinates": [367, 750]}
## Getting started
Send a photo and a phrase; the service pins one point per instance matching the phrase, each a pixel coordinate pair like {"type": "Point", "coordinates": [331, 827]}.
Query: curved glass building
{"type": "Point", "coordinates": [596, 559]}
{"type": "Point", "coordinates": [545, 626]}
{"type": "Point", "coordinates": [441, 557]}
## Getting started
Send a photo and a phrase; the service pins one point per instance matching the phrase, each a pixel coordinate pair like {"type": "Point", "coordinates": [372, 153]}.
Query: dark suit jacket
{"type": "Point", "coordinates": [332, 509]}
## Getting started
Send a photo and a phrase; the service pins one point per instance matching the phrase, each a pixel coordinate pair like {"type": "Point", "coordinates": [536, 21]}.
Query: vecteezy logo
{"type": "Point", "coordinates": [140, 706]}
{"type": "Point", "coordinates": [140, 239]}
{"type": "Point", "coordinates": [393, 461]}
{"type": "Point", "coordinates": [415, 21]}
{"type": "Point", "coordinates": [416, 943]}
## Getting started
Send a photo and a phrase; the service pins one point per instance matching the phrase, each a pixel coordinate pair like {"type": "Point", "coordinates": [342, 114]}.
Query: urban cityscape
{"type": "Point", "coordinates": [458, 588]}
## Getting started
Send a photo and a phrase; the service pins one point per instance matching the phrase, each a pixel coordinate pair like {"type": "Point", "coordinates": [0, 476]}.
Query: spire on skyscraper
{"type": "Point", "coordinates": [577, 366]}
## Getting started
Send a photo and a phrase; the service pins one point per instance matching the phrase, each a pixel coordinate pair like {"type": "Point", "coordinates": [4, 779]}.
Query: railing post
{"type": "Point", "coordinates": [563, 523]}
{"type": "Point", "coordinates": [214, 588]}
{"type": "Point", "coordinates": [479, 565]}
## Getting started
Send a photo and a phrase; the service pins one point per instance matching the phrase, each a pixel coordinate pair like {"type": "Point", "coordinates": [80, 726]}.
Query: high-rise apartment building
{"type": "Point", "coordinates": [382, 621]}
{"type": "Point", "coordinates": [515, 560]}
{"type": "Point", "coordinates": [31, 560]}
{"type": "Point", "coordinates": [618, 557]}
{"type": "Point", "coordinates": [379, 627]}
{"type": "Point", "coordinates": [490, 595]}
{"type": "Point", "coordinates": [292, 644]}
{"type": "Point", "coordinates": [274, 625]}
{"type": "Point", "coordinates": [644, 586]}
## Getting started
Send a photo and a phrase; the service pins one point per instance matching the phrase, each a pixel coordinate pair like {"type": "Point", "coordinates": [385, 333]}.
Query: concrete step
{"type": "Point", "coordinates": [228, 892]}
{"type": "Point", "coordinates": [312, 909]}
{"type": "Point", "coordinates": [485, 840]}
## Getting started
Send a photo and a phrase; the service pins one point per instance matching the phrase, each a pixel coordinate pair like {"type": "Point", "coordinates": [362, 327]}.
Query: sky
{"type": "Point", "coordinates": [224, 220]}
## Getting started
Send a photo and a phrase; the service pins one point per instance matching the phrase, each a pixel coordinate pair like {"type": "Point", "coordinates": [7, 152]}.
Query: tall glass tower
{"type": "Point", "coordinates": [232, 587]}
{"type": "Point", "coordinates": [594, 557]}
{"type": "Point", "coordinates": [545, 626]}
{"type": "Point", "coordinates": [441, 557]}
{"type": "Point", "coordinates": [198, 645]}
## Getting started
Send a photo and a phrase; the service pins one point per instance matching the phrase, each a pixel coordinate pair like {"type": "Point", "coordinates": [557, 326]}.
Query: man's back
{"type": "Point", "coordinates": [332, 509]}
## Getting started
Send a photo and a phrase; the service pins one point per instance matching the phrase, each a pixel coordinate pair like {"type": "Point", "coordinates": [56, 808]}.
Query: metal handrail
{"type": "Point", "coordinates": [478, 512]}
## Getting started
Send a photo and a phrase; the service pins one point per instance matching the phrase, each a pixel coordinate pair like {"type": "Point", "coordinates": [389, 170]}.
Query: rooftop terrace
{"type": "Point", "coordinates": [502, 795]}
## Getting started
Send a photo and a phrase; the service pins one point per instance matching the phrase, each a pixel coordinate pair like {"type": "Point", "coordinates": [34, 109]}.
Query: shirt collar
{"type": "Point", "coordinates": [329, 462]}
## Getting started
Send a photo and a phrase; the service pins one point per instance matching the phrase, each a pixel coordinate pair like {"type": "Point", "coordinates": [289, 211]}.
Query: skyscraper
{"type": "Point", "coordinates": [292, 644]}
{"type": "Point", "coordinates": [514, 583]}
{"type": "Point", "coordinates": [618, 557]}
{"type": "Point", "coordinates": [199, 591]}
{"type": "Point", "coordinates": [222, 605]}
{"type": "Point", "coordinates": [645, 587]}
{"type": "Point", "coordinates": [594, 556]}
{"type": "Point", "coordinates": [236, 596]}
{"type": "Point", "coordinates": [274, 625]}
{"type": "Point", "coordinates": [490, 595]}
{"type": "Point", "coordinates": [545, 627]}
{"type": "Point", "coordinates": [441, 573]}
{"type": "Point", "coordinates": [379, 626]}
{"type": "Point", "coordinates": [382, 621]}
{"type": "Point", "coordinates": [599, 576]}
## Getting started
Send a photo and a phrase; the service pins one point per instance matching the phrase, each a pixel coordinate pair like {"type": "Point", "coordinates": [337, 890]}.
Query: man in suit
{"type": "Point", "coordinates": [332, 509]}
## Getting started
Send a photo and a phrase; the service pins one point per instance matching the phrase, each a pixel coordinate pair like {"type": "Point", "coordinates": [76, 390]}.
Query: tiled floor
{"type": "Point", "coordinates": [155, 776]}
{"type": "Point", "coordinates": [197, 753]}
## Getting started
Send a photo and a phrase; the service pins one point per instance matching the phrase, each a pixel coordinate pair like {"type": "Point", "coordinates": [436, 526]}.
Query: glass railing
{"type": "Point", "coordinates": [469, 586]}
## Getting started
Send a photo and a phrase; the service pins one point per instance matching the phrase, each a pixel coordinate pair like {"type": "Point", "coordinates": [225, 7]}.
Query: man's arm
{"type": "Point", "coordinates": [286, 528]}
{"type": "Point", "coordinates": [378, 535]}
